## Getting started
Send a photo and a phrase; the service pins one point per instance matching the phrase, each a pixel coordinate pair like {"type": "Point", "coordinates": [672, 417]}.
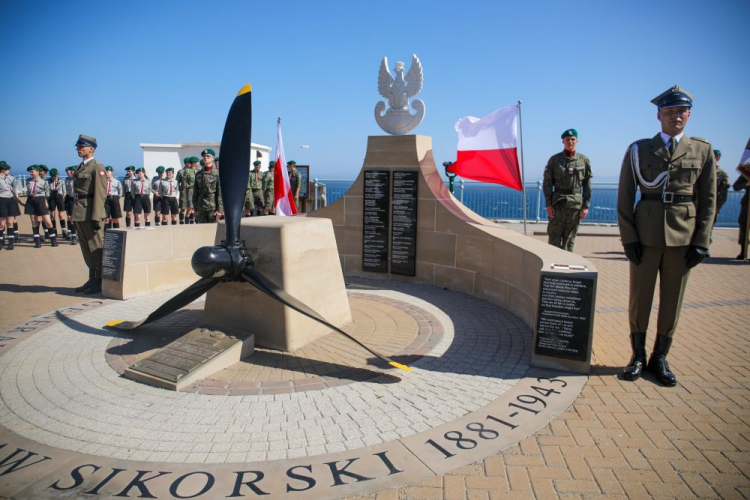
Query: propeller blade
{"type": "Point", "coordinates": [255, 278]}
{"type": "Point", "coordinates": [175, 303]}
{"type": "Point", "coordinates": [235, 162]}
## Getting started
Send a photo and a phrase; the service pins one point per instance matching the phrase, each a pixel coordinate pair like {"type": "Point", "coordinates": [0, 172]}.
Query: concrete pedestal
{"type": "Point", "coordinates": [300, 256]}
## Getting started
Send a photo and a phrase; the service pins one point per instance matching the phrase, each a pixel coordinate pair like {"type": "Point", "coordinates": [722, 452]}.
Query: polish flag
{"type": "Point", "coordinates": [282, 189]}
{"type": "Point", "coordinates": [487, 148]}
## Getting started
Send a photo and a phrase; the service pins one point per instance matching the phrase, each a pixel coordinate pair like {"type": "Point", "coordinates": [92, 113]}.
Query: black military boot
{"type": "Point", "coordinates": [635, 368]}
{"type": "Point", "coordinates": [94, 287]}
{"type": "Point", "coordinates": [658, 365]}
{"type": "Point", "coordinates": [83, 287]}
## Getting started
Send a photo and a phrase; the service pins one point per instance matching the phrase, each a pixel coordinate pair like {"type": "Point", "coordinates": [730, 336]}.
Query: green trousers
{"type": "Point", "coordinates": [92, 244]}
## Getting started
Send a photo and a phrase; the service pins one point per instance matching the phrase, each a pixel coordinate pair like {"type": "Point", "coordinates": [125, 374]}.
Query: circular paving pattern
{"type": "Point", "coordinates": [62, 388]}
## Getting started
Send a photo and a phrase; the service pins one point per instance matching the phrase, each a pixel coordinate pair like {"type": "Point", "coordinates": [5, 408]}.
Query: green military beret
{"type": "Point", "coordinates": [85, 140]}
{"type": "Point", "coordinates": [203, 164]}
{"type": "Point", "coordinates": [208, 152]}
{"type": "Point", "coordinates": [673, 97]}
{"type": "Point", "coordinates": [256, 163]}
{"type": "Point", "coordinates": [2, 163]}
{"type": "Point", "coordinates": [717, 152]}
{"type": "Point", "coordinates": [170, 169]}
{"type": "Point", "coordinates": [291, 162]}
{"type": "Point", "coordinates": [571, 132]}
{"type": "Point", "coordinates": [43, 167]}
{"type": "Point", "coordinates": [187, 160]}
{"type": "Point", "coordinates": [53, 171]}
{"type": "Point", "coordinates": [73, 167]}
{"type": "Point", "coordinates": [271, 164]}
{"type": "Point", "coordinates": [194, 159]}
{"type": "Point", "coordinates": [4, 166]}
{"type": "Point", "coordinates": [217, 158]}
{"type": "Point", "coordinates": [108, 167]}
{"type": "Point", "coordinates": [159, 169]}
{"type": "Point", "coordinates": [129, 167]}
{"type": "Point", "coordinates": [33, 167]}
{"type": "Point", "coordinates": [140, 169]}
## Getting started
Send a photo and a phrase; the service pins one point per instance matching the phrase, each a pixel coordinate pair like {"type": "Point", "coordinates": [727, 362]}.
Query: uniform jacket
{"type": "Point", "coordinates": [295, 178]}
{"type": "Point", "coordinates": [255, 180]}
{"type": "Point", "coordinates": [58, 185]}
{"type": "Point", "coordinates": [722, 187]}
{"type": "Point", "coordinates": [186, 179]}
{"type": "Point", "coordinates": [691, 171]}
{"type": "Point", "coordinates": [90, 192]}
{"type": "Point", "coordinates": [207, 192]}
{"type": "Point", "coordinates": [563, 173]}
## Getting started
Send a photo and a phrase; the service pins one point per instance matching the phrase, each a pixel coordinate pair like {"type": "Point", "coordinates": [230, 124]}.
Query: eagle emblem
{"type": "Point", "coordinates": [397, 120]}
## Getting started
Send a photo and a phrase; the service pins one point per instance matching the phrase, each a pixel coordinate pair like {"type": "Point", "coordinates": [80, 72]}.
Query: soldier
{"type": "Point", "coordinates": [70, 201]}
{"type": "Point", "coordinates": [37, 192]}
{"type": "Point", "coordinates": [169, 190]}
{"type": "Point", "coordinates": [141, 198]}
{"type": "Point", "coordinates": [667, 233]}
{"type": "Point", "coordinates": [157, 197]}
{"type": "Point", "coordinates": [128, 194]}
{"type": "Point", "coordinates": [254, 204]}
{"type": "Point", "coordinates": [564, 176]}
{"type": "Point", "coordinates": [56, 201]}
{"type": "Point", "coordinates": [722, 189]}
{"type": "Point", "coordinates": [178, 178]}
{"type": "Point", "coordinates": [88, 212]}
{"type": "Point", "coordinates": [112, 203]}
{"type": "Point", "coordinates": [187, 184]}
{"type": "Point", "coordinates": [207, 192]}
{"type": "Point", "coordinates": [7, 201]}
{"type": "Point", "coordinates": [740, 184]}
{"type": "Point", "coordinates": [295, 181]}
{"type": "Point", "coordinates": [268, 189]}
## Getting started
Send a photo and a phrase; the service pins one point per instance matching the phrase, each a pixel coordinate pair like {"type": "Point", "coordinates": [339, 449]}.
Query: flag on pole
{"type": "Point", "coordinates": [487, 150]}
{"type": "Point", "coordinates": [282, 189]}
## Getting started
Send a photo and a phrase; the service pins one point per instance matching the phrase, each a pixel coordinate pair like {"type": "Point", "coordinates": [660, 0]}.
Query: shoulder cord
{"type": "Point", "coordinates": [635, 166]}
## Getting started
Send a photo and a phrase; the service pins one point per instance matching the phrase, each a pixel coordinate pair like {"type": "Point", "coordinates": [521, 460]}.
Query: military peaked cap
{"type": "Point", "coordinates": [85, 140]}
{"type": "Point", "coordinates": [673, 97]}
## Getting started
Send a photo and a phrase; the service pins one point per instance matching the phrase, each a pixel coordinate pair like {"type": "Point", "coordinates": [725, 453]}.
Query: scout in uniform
{"type": "Point", "coordinates": [178, 178]}
{"type": "Point", "coordinates": [112, 208]}
{"type": "Point", "coordinates": [16, 183]}
{"type": "Point", "coordinates": [7, 201]}
{"type": "Point", "coordinates": [207, 192]}
{"type": "Point", "coordinates": [187, 185]}
{"type": "Point", "coordinates": [70, 201]}
{"type": "Point", "coordinates": [169, 190]}
{"type": "Point", "coordinates": [128, 193]}
{"type": "Point", "coordinates": [565, 175]}
{"type": "Point", "coordinates": [268, 195]}
{"type": "Point", "coordinates": [88, 211]}
{"type": "Point", "coordinates": [295, 181]}
{"type": "Point", "coordinates": [37, 192]}
{"type": "Point", "coordinates": [56, 201]}
{"type": "Point", "coordinates": [740, 184]}
{"type": "Point", "coordinates": [43, 171]}
{"type": "Point", "coordinates": [667, 233]}
{"type": "Point", "coordinates": [141, 197]}
{"type": "Point", "coordinates": [157, 197]}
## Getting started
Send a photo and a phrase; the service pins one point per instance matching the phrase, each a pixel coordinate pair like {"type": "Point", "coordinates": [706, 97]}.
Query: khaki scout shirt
{"type": "Point", "coordinates": [691, 171]}
{"type": "Point", "coordinates": [564, 177]}
{"type": "Point", "coordinates": [90, 192]}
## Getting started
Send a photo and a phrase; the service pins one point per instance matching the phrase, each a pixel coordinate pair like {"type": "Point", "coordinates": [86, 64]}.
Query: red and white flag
{"type": "Point", "coordinates": [487, 148]}
{"type": "Point", "coordinates": [282, 189]}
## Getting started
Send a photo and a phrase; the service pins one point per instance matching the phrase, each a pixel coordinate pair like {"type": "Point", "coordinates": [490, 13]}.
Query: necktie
{"type": "Point", "coordinates": [170, 188]}
{"type": "Point", "coordinates": [672, 145]}
{"type": "Point", "coordinates": [109, 184]}
{"type": "Point", "coordinates": [141, 187]}
{"type": "Point", "coordinates": [33, 189]}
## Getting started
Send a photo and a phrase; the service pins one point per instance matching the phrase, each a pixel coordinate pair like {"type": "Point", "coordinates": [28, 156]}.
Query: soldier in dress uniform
{"type": "Point", "coordinates": [56, 201]}
{"type": "Point", "coordinates": [254, 204]}
{"type": "Point", "coordinates": [112, 203]}
{"type": "Point", "coordinates": [207, 192]}
{"type": "Point", "coordinates": [740, 184]}
{"type": "Point", "coordinates": [141, 197]}
{"type": "Point", "coordinates": [128, 193]}
{"type": "Point", "coordinates": [187, 185]}
{"type": "Point", "coordinates": [268, 196]}
{"type": "Point", "coordinates": [295, 181]}
{"type": "Point", "coordinates": [88, 211]}
{"type": "Point", "coordinates": [169, 191]}
{"type": "Point", "coordinates": [157, 197]}
{"type": "Point", "coordinates": [565, 175]}
{"type": "Point", "coordinates": [70, 201]}
{"type": "Point", "coordinates": [7, 202]}
{"type": "Point", "coordinates": [668, 232]}
{"type": "Point", "coordinates": [37, 193]}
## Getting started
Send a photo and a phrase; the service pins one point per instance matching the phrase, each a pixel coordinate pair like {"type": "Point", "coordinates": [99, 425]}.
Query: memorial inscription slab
{"type": "Point", "coordinates": [375, 221]}
{"type": "Point", "coordinates": [114, 255]}
{"type": "Point", "coordinates": [404, 223]}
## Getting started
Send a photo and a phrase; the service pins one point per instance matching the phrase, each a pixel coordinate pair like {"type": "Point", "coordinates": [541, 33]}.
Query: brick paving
{"type": "Point", "coordinates": [637, 439]}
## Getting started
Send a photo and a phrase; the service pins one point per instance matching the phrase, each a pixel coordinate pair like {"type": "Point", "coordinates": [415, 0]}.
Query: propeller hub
{"type": "Point", "coordinates": [212, 262]}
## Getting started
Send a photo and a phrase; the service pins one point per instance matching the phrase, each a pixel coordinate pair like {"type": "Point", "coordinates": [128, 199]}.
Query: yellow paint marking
{"type": "Point", "coordinates": [244, 90]}
{"type": "Point", "coordinates": [399, 365]}
{"type": "Point", "coordinates": [116, 322]}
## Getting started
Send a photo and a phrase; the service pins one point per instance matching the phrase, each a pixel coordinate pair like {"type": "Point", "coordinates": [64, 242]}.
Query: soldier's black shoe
{"type": "Point", "coordinates": [634, 370]}
{"type": "Point", "coordinates": [83, 287]}
{"type": "Point", "coordinates": [658, 364]}
{"type": "Point", "coordinates": [95, 287]}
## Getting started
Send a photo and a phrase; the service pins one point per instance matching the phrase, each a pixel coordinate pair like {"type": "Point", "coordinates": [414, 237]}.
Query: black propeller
{"type": "Point", "coordinates": [230, 261]}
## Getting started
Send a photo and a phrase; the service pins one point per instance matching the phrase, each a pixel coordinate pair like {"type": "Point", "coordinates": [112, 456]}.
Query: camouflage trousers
{"type": "Point", "coordinates": [563, 228]}
{"type": "Point", "coordinates": [206, 217]}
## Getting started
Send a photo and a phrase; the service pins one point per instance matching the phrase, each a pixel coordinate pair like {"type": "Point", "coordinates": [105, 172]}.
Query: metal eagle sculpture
{"type": "Point", "coordinates": [230, 261]}
{"type": "Point", "coordinates": [397, 120]}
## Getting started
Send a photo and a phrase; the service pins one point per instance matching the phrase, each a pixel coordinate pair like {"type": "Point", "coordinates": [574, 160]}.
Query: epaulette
{"type": "Point", "coordinates": [700, 139]}
{"type": "Point", "coordinates": [641, 140]}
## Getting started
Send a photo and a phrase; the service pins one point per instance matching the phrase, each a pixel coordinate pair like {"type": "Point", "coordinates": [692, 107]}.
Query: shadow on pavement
{"type": "Point", "coordinates": [8, 287]}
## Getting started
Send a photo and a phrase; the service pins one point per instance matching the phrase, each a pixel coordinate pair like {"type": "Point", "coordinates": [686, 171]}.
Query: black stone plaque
{"type": "Point", "coordinates": [375, 221]}
{"type": "Point", "coordinates": [565, 319]}
{"type": "Point", "coordinates": [114, 255]}
{"type": "Point", "coordinates": [404, 223]}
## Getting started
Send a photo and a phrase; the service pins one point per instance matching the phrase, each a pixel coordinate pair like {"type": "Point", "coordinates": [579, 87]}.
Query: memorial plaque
{"type": "Point", "coordinates": [566, 310]}
{"type": "Point", "coordinates": [404, 223]}
{"type": "Point", "coordinates": [113, 255]}
{"type": "Point", "coordinates": [375, 221]}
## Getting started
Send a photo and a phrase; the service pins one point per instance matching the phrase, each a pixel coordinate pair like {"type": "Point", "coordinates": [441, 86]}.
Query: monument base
{"type": "Point", "coordinates": [194, 356]}
{"type": "Point", "coordinates": [300, 256]}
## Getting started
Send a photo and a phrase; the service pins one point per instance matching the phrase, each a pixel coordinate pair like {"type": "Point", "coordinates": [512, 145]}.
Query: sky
{"type": "Point", "coordinates": [166, 72]}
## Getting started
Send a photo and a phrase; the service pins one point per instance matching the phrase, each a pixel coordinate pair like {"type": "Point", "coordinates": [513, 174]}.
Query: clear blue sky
{"type": "Point", "coordinates": [164, 72]}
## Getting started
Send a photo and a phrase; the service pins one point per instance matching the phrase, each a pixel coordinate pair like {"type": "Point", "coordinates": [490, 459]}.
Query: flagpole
{"type": "Point", "coordinates": [523, 173]}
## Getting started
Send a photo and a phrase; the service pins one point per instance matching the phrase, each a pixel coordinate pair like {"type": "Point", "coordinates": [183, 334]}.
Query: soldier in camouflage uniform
{"type": "Point", "coordinates": [178, 178]}
{"type": "Point", "coordinates": [207, 192]}
{"type": "Point", "coordinates": [740, 184]}
{"type": "Point", "coordinates": [254, 204]}
{"type": "Point", "coordinates": [268, 196]}
{"type": "Point", "coordinates": [295, 181]}
{"type": "Point", "coordinates": [70, 201]}
{"type": "Point", "coordinates": [565, 175]}
{"type": "Point", "coordinates": [722, 188]}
